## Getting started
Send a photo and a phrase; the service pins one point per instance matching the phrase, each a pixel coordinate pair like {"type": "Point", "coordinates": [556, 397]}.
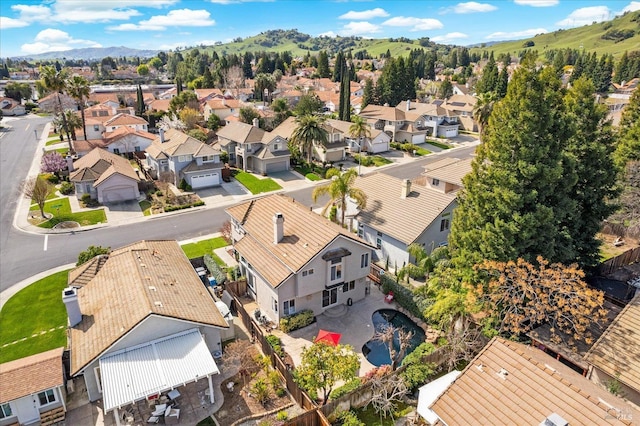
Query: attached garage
{"type": "Point", "coordinates": [204, 180]}
{"type": "Point", "coordinates": [117, 194]}
{"type": "Point", "coordinates": [418, 139]}
{"type": "Point", "coordinates": [280, 166]}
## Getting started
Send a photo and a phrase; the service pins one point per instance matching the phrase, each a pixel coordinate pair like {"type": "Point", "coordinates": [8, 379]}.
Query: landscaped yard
{"type": "Point", "coordinates": [422, 151]}
{"type": "Point", "coordinates": [162, 199]}
{"type": "Point", "coordinates": [372, 160]}
{"type": "Point", "coordinates": [61, 211]}
{"type": "Point", "coordinates": [439, 144]}
{"type": "Point", "coordinates": [370, 417]}
{"type": "Point", "coordinates": [257, 185]}
{"type": "Point", "coordinates": [37, 309]}
{"type": "Point", "coordinates": [145, 206]}
{"type": "Point", "coordinates": [200, 248]}
{"type": "Point", "coordinates": [307, 172]}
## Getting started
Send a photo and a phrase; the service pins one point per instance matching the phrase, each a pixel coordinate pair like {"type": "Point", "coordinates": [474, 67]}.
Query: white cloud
{"type": "Point", "coordinates": [473, 7]}
{"type": "Point", "coordinates": [414, 24]}
{"type": "Point", "coordinates": [365, 14]}
{"type": "Point", "coordinates": [31, 13]}
{"type": "Point", "coordinates": [327, 34]}
{"type": "Point", "coordinates": [631, 7]}
{"type": "Point", "coordinates": [537, 3]}
{"type": "Point", "coordinates": [586, 16]}
{"type": "Point", "coordinates": [6, 23]}
{"type": "Point", "coordinates": [447, 38]}
{"type": "Point", "coordinates": [53, 40]}
{"type": "Point", "coordinates": [175, 18]}
{"type": "Point", "coordinates": [500, 35]}
{"type": "Point", "coordinates": [224, 2]}
{"type": "Point", "coordinates": [359, 28]}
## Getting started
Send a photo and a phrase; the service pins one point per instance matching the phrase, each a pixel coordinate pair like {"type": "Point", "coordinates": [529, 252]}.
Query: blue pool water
{"type": "Point", "coordinates": [376, 352]}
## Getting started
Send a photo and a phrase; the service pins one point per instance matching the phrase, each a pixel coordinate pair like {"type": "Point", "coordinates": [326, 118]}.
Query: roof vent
{"type": "Point", "coordinates": [480, 367]}
{"type": "Point", "coordinates": [503, 374]}
{"type": "Point", "coordinates": [158, 304]}
{"type": "Point", "coordinates": [550, 368]}
{"type": "Point", "coordinates": [554, 419]}
{"type": "Point", "coordinates": [152, 288]}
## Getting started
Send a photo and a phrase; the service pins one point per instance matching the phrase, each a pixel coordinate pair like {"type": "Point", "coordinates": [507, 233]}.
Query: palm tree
{"type": "Point", "coordinates": [68, 121]}
{"type": "Point", "coordinates": [56, 81]}
{"type": "Point", "coordinates": [78, 88]}
{"type": "Point", "coordinates": [424, 263]}
{"type": "Point", "coordinates": [359, 129]}
{"type": "Point", "coordinates": [339, 189]}
{"type": "Point", "coordinates": [309, 132]}
{"type": "Point", "coordinates": [483, 108]}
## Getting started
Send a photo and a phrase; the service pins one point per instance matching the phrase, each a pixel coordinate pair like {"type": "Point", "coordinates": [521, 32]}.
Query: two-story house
{"type": "Point", "coordinates": [432, 119]}
{"type": "Point", "coordinates": [401, 212]}
{"type": "Point", "coordinates": [176, 156]}
{"type": "Point", "coordinates": [378, 141]}
{"type": "Point", "coordinates": [334, 149]}
{"type": "Point", "coordinates": [253, 149]}
{"type": "Point", "coordinates": [222, 107]}
{"type": "Point", "coordinates": [394, 122]}
{"type": "Point", "coordinates": [295, 259]}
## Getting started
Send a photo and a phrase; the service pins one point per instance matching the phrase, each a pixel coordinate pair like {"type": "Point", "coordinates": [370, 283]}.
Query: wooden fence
{"type": "Point", "coordinates": [627, 258]}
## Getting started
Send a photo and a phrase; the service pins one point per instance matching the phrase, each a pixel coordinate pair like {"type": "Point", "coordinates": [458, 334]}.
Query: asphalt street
{"type": "Point", "coordinates": [24, 254]}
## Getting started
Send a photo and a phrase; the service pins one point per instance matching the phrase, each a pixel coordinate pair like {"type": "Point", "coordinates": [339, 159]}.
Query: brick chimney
{"type": "Point", "coordinates": [70, 300]}
{"type": "Point", "coordinates": [278, 227]}
{"type": "Point", "coordinates": [405, 188]}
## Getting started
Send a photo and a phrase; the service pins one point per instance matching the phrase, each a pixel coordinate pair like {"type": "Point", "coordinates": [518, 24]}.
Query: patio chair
{"type": "Point", "coordinates": [389, 297]}
{"type": "Point", "coordinates": [171, 416]}
{"type": "Point", "coordinates": [159, 410]}
{"type": "Point", "coordinates": [153, 419]}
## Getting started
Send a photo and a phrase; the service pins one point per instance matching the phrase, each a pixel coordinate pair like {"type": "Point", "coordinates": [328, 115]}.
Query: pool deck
{"type": "Point", "coordinates": [355, 325]}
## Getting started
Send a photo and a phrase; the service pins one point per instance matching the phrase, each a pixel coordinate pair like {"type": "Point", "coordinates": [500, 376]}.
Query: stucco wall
{"type": "Point", "coordinates": [119, 187]}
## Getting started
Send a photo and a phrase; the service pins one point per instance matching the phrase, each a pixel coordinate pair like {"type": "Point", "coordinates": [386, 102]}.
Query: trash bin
{"type": "Point", "coordinates": [213, 282]}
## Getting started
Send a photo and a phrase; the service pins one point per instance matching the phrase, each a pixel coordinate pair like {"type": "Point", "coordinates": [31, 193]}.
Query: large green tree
{"type": "Point", "coordinates": [324, 365]}
{"type": "Point", "coordinates": [340, 189]}
{"type": "Point", "coordinates": [628, 146]}
{"type": "Point", "coordinates": [18, 91]}
{"type": "Point", "coordinates": [54, 81]}
{"type": "Point", "coordinates": [515, 197]}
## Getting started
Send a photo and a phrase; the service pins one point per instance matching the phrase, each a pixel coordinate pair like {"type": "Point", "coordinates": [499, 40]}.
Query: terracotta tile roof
{"type": "Point", "coordinates": [535, 386]}
{"type": "Point", "coordinates": [102, 97]}
{"type": "Point", "coordinates": [402, 218]}
{"type": "Point", "coordinates": [141, 279]}
{"type": "Point", "coordinates": [87, 145]}
{"type": "Point", "coordinates": [617, 351]}
{"type": "Point", "coordinates": [205, 93]}
{"type": "Point", "coordinates": [120, 132]}
{"type": "Point", "coordinates": [159, 105]}
{"type": "Point", "coordinates": [225, 104]}
{"type": "Point", "coordinates": [241, 133]}
{"type": "Point", "coordinates": [30, 375]}
{"type": "Point", "coordinates": [124, 120]}
{"type": "Point", "coordinates": [450, 170]}
{"type": "Point", "coordinates": [305, 234]}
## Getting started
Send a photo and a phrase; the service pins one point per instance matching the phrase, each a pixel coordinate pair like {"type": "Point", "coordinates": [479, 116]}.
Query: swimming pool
{"type": "Point", "coordinates": [376, 352]}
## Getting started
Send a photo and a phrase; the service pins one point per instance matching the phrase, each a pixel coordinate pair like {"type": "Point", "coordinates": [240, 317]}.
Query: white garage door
{"type": "Point", "coordinates": [116, 195]}
{"type": "Point", "coordinates": [204, 180]}
{"type": "Point", "coordinates": [416, 139]}
{"type": "Point", "coordinates": [451, 133]}
{"type": "Point", "coordinates": [277, 167]}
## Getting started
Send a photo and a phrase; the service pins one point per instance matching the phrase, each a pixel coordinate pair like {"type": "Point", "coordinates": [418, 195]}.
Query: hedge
{"type": "Point", "coordinates": [217, 273]}
{"type": "Point", "coordinates": [183, 206]}
{"type": "Point", "coordinates": [296, 321]}
{"type": "Point", "coordinates": [402, 295]}
{"type": "Point", "coordinates": [276, 344]}
{"type": "Point", "coordinates": [350, 386]}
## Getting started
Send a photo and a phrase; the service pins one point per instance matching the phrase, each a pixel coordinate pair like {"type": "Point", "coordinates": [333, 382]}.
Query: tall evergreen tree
{"type": "Point", "coordinates": [246, 65]}
{"type": "Point", "coordinates": [368, 93]}
{"type": "Point", "coordinates": [139, 101]}
{"type": "Point", "coordinates": [501, 83]}
{"type": "Point", "coordinates": [338, 67]}
{"type": "Point", "coordinates": [489, 77]}
{"type": "Point", "coordinates": [514, 198]}
{"type": "Point", "coordinates": [628, 144]}
{"type": "Point", "coordinates": [323, 65]}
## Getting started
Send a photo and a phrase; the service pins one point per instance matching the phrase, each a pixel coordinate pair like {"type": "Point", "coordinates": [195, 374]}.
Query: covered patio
{"type": "Point", "coordinates": [143, 383]}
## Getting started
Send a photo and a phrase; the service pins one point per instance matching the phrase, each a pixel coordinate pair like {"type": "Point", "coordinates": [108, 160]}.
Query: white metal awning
{"type": "Point", "coordinates": [134, 373]}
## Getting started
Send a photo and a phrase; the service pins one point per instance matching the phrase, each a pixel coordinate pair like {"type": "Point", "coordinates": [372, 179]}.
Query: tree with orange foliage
{"type": "Point", "coordinates": [521, 296]}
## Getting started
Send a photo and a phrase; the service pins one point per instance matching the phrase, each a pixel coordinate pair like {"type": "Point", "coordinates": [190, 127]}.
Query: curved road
{"type": "Point", "coordinates": [23, 254]}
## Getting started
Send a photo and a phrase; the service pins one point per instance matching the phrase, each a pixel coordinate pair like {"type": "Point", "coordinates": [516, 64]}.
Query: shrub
{"type": "Point", "coordinates": [347, 418]}
{"type": "Point", "coordinates": [282, 416]}
{"type": "Point", "coordinates": [51, 178]}
{"type": "Point", "coordinates": [159, 193]}
{"type": "Point", "coordinates": [296, 321]}
{"type": "Point", "coordinates": [86, 198]}
{"type": "Point", "coordinates": [351, 385]}
{"type": "Point", "coordinates": [183, 184]}
{"type": "Point", "coordinates": [280, 392]}
{"type": "Point", "coordinates": [276, 344]}
{"type": "Point", "coordinates": [215, 270]}
{"type": "Point", "coordinates": [403, 295]}
{"type": "Point", "coordinates": [67, 188]}
{"type": "Point", "coordinates": [261, 391]}
{"type": "Point", "coordinates": [91, 252]}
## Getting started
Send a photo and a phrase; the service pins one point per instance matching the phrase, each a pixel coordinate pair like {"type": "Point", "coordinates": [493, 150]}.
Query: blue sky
{"type": "Point", "coordinates": [31, 27]}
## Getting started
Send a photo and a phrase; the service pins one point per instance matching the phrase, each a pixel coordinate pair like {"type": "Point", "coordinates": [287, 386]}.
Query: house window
{"type": "Point", "coordinates": [116, 151]}
{"type": "Point", "coordinates": [348, 286]}
{"type": "Point", "coordinates": [274, 305]}
{"type": "Point", "coordinates": [289, 307]}
{"type": "Point", "coordinates": [307, 272]}
{"type": "Point", "coordinates": [96, 128]}
{"type": "Point", "coordinates": [136, 148]}
{"type": "Point", "coordinates": [435, 182]}
{"type": "Point", "coordinates": [98, 375]}
{"type": "Point", "coordinates": [47, 397]}
{"type": "Point", "coordinates": [364, 260]}
{"type": "Point", "coordinates": [5, 411]}
{"type": "Point", "coordinates": [336, 270]}
{"type": "Point", "coordinates": [379, 240]}
{"type": "Point", "coordinates": [182, 158]}
{"type": "Point", "coordinates": [329, 297]}
{"type": "Point", "coordinates": [444, 224]}
{"type": "Point", "coordinates": [361, 231]}
{"type": "Point", "coordinates": [276, 147]}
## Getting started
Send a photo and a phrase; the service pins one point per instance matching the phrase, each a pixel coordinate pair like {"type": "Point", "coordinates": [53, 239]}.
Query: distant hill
{"type": "Point", "coordinates": [299, 44]}
{"type": "Point", "coordinates": [610, 37]}
{"type": "Point", "coordinates": [93, 53]}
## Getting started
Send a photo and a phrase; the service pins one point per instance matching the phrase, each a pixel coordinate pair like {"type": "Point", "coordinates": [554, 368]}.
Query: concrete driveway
{"type": "Point", "coordinates": [122, 212]}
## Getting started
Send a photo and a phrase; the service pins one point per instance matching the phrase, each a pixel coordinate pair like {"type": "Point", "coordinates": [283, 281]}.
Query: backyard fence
{"type": "Point", "coordinates": [627, 258]}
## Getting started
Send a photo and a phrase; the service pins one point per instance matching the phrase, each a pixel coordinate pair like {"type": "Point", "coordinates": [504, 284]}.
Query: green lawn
{"type": "Point", "coordinates": [32, 310]}
{"type": "Point", "coordinates": [256, 185]}
{"type": "Point", "coordinates": [61, 151]}
{"type": "Point", "coordinates": [61, 211]}
{"type": "Point", "coordinates": [422, 151]}
{"type": "Point", "coordinates": [312, 176]}
{"type": "Point", "coordinates": [371, 160]}
{"type": "Point", "coordinates": [439, 144]}
{"type": "Point", "coordinates": [199, 249]}
{"type": "Point", "coordinates": [145, 206]}
{"type": "Point", "coordinates": [370, 417]}
{"type": "Point", "coordinates": [53, 140]}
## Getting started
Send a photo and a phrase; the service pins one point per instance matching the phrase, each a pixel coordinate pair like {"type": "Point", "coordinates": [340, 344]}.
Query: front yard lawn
{"type": "Point", "coordinates": [61, 211]}
{"type": "Point", "coordinates": [422, 151]}
{"type": "Point", "coordinates": [307, 172]}
{"type": "Point", "coordinates": [373, 160]}
{"type": "Point", "coordinates": [145, 206]}
{"type": "Point", "coordinates": [439, 145]}
{"type": "Point", "coordinates": [35, 309]}
{"type": "Point", "coordinates": [256, 185]}
{"type": "Point", "coordinates": [199, 249]}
